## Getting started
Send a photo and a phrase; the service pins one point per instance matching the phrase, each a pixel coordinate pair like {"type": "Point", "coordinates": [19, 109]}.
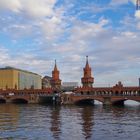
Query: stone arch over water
{"type": "Point", "coordinates": [19, 101]}
{"type": "Point", "coordinates": [2, 101]}
{"type": "Point", "coordinates": [89, 101]}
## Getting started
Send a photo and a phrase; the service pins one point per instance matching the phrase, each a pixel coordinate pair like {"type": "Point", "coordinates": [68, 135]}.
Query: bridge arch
{"type": "Point", "coordinates": [123, 101]}
{"type": "Point", "coordinates": [119, 102]}
{"type": "Point", "coordinates": [19, 101]}
{"type": "Point", "coordinates": [87, 101]}
{"type": "Point", "coordinates": [116, 92]}
{"type": "Point", "coordinates": [2, 101]}
{"type": "Point", "coordinates": [84, 102]}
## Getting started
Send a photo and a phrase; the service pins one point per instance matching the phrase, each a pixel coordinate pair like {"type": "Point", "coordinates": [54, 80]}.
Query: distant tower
{"type": "Point", "coordinates": [87, 79]}
{"type": "Point", "coordinates": [55, 82]}
{"type": "Point", "coordinates": [138, 5]}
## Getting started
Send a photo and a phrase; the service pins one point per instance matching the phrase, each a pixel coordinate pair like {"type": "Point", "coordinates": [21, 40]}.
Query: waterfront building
{"type": "Point", "coordinates": [55, 82]}
{"type": "Point", "coordinates": [13, 78]}
{"type": "Point", "coordinates": [87, 79]}
{"type": "Point", "coordinates": [46, 82]}
{"type": "Point", "coordinates": [69, 86]}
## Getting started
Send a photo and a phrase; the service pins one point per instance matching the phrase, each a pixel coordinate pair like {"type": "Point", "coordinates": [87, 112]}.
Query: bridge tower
{"type": "Point", "coordinates": [87, 79]}
{"type": "Point", "coordinates": [138, 5]}
{"type": "Point", "coordinates": [55, 82]}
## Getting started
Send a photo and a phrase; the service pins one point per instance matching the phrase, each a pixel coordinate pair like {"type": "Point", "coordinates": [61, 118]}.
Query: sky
{"type": "Point", "coordinates": [33, 33]}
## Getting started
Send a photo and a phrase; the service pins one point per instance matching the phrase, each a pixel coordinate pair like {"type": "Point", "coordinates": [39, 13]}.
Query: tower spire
{"type": "Point", "coordinates": [87, 58]}
{"type": "Point", "coordinates": [87, 64]}
{"type": "Point", "coordinates": [55, 82]}
{"type": "Point", "coordinates": [87, 79]}
{"type": "Point", "coordinates": [55, 66]}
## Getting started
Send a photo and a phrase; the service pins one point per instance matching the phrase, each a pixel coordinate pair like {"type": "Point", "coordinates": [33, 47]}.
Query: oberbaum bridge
{"type": "Point", "coordinates": [115, 95]}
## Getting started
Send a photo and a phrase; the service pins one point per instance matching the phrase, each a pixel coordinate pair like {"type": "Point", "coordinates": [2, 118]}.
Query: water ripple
{"type": "Point", "coordinates": [39, 122]}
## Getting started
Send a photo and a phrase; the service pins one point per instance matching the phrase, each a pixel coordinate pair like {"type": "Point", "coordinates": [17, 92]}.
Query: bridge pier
{"type": "Point", "coordinates": [107, 101]}
{"type": "Point", "coordinates": [49, 99]}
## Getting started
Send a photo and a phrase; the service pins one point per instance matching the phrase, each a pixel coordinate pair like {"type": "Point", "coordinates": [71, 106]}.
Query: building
{"type": "Point", "coordinates": [87, 79]}
{"type": "Point", "coordinates": [13, 78]}
{"type": "Point", "coordinates": [139, 82]}
{"type": "Point", "coordinates": [46, 82]}
{"type": "Point", "coordinates": [68, 86]}
{"type": "Point", "coordinates": [55, 82]}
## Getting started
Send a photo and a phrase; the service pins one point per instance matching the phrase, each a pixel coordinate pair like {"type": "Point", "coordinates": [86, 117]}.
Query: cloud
{"type": "Point", "coordinates": [4, 55]}
{"type": "Point", "coordinates": [52, 28]}
{"type": "Point", "coordinates": [137, 14]}
{"type": "Point", "coordinates": [41, 17]}
{"type": "Point", "coordinates": [45, 31]}
{"type": "Point", "coordinates": [33, 8]}
{"type": "Point", "coordinates": [110, 51]}
{"type": "Point", "coordinates": [37, 8]}
{"type": "Point", "coordinates": [13, 5]}
{"type": "Point", "coordinates": [24, 60]}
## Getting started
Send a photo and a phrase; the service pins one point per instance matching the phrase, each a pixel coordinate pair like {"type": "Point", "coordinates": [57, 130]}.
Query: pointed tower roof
{"type": "Point", "coordinates": [55, 66]}
{"type": "Point", "coordinates": [87, 79]}
{"type": "Point", "coordinates": [87, 64]}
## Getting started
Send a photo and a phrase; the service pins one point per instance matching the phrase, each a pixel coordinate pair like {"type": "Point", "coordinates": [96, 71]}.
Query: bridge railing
{"type": "Point", "coordinates": [22, 93]}
{"type": "Point", "coordinates": [108, 94]}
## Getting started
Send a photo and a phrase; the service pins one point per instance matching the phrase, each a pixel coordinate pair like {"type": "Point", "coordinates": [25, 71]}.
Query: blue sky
{"type": "Point", "coordinates": [33, 33]}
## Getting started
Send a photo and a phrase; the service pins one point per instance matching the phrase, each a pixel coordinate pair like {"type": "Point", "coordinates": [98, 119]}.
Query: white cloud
{"type": "Point", "coordinates": [80, 36]}
{"type": "Point", "coordinates": [34, 8]}
{"type": "Point", "coordinates": [52, 28]}
{"type": "Point", "coordinates": [68, 39]}
{"type": "Point", "coordinates": [84, 30]}
{"type": "Point", "coordinates": [38, 8]}
{"type": "Point", "coordinates": [109, 50]}
{"type": "Point", "coordinates": [28, 61]}
{"type": "Point", "coordinates": [13, 5]}
{"type": "Point", "coordinates": [129, 34]}
{"type": "Point", "coordinates": [137, 14]}
{"type": "Point", "coordinates": [4, 55]}
{"type": "Point", "coordinates": [38, 16]}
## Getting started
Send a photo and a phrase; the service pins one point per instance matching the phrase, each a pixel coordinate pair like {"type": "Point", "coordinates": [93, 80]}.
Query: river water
{"type": "Point", "coordinates": [42, 122]}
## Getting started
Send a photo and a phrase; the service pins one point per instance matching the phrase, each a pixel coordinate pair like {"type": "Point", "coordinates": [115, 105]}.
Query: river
{"type": "Point", "coordinates": [42, 122]}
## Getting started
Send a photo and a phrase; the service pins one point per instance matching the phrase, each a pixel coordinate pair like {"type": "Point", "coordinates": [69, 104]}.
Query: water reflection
{"type": "Point", "coordinates": [9, 115]}
{"type": "Point", "coordinates": [88, 120]}
{"type": "Point", "coordinates": [55, 122]}
{"type": "Point", "coordinates": [69, 122]}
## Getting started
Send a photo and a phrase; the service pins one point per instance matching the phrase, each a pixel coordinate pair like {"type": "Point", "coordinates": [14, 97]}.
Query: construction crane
{"type": "Point", "coordinates": [138, 5]}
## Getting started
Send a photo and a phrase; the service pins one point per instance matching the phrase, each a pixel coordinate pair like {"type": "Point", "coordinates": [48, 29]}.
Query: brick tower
{"type": "Point", "coordinates": [87, 79]}
{"type": "Point", "coordinates": [55, 82]}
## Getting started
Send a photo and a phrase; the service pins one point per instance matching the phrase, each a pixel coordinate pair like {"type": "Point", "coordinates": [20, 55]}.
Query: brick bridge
{"type": "Point", "coordinates": [107, 95]}
{"type": "Point", "coordinates": [27, 95]}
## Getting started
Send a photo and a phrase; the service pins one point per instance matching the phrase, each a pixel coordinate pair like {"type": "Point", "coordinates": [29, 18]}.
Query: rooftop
{"type": "Point", "coordinates": [12, 68]}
